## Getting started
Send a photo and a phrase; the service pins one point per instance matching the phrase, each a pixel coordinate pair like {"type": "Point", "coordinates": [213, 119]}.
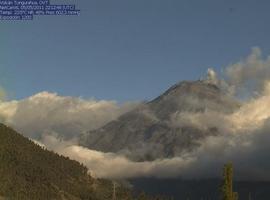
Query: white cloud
{"type": "Point", "coordinates": [212, 77]}
{"type": "Point", "coordinates": [67, 116]}
{"type": "Point", "coordinates": [111, 165]}
{"type": "Point", "coordinates": [250, 73]}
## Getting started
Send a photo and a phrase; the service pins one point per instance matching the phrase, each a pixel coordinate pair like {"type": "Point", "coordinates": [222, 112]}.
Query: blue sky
{"type": "Point", "coordinates": [128, 49]}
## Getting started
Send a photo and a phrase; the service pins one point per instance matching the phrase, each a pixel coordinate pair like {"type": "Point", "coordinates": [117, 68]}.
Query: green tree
{"type": "Point", "coordinates": [227, 185]}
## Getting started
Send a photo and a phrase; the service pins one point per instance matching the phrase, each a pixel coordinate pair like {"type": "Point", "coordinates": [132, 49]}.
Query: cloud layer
{"type": "Point", "coordinates": [67, 117]}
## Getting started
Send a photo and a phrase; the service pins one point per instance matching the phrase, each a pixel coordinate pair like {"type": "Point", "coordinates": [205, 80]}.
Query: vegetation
{"type": "Point", "coordinates": [227, 187]}
{"type": "Point", "coordinates": [28, 171]}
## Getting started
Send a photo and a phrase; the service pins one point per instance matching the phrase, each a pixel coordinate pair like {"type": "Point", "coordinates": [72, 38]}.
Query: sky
{"type": "Point", "coordinates": [128, 50]}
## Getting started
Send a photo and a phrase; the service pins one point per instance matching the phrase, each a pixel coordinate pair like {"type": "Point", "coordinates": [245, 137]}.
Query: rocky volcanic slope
{"type": "Point", "coordinates": [149, 132]}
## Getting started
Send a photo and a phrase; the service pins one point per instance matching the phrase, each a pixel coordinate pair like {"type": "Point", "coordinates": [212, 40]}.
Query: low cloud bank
{"type": "Point", "coordinates": [111, 165]}
{"type": "Point", "coordinates": [249, 151]}
{"type": "Point", "coordinates": [46, 113]}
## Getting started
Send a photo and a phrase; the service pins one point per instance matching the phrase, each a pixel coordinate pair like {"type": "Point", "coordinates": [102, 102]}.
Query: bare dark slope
{"type": "Point", "coordinates": [148, 132]}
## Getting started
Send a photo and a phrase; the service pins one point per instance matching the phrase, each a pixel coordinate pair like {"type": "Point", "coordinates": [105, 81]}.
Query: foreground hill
{"type": "Point", "coordinates": [152, 131]}
{"type": "Point", "coordinates": [28, 171]}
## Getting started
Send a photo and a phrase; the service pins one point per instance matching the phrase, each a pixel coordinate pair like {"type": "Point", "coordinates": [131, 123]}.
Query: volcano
{"type": "Point", "coordinates": [149, 132]}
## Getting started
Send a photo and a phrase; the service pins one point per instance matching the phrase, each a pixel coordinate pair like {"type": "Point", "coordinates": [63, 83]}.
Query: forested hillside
{"type": "Point", "coordinates": [28, 171]}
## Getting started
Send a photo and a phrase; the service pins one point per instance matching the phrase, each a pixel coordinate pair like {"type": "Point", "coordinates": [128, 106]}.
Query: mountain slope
{"type": "Point", "coordinates": [148, 132]}
{"type": "Point", "coordinates": [28, 171]}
